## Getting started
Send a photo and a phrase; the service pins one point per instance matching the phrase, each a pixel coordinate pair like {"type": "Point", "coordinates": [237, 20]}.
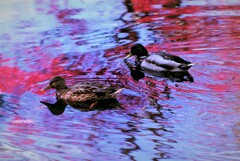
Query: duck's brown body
{"type": "Point", "coordinates": [84, 95]}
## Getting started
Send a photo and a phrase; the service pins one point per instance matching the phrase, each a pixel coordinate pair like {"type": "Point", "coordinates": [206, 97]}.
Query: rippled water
{"type": "Point", "coordinates": [160, 117]}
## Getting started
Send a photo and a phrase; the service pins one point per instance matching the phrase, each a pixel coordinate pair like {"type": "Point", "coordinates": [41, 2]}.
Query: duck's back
{"type": "Point", "coordinates": [163, 62]}
{"type": "Point", "coordinates": [85, 93]}
{"type": "Point", "coordinates": [156, 62]}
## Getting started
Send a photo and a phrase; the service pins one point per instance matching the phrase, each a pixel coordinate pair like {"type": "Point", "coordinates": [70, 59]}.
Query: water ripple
{"type": "Point", "coordinates": [161, 117]}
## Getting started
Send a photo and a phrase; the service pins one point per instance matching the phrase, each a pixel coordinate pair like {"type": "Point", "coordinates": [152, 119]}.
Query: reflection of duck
{"type": "Point", "coordinates": [158, 62]}
{"type": "Point", "coordinates": [184, 76]}
{"type": "Point", "coordinates": [136, 72]}
{"type": "Point", "coordinates": [85, 95]}
{"type": "Point", "coordinates": [59, 107]}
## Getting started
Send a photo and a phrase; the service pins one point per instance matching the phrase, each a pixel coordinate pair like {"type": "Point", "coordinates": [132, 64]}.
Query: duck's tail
{"type": "Point", "coordinates": [116, 93]}
{"type": "Point", "coordinates": [185, 66]}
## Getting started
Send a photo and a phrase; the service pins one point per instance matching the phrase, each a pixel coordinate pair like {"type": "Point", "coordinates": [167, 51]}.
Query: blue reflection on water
{"type": "Point", "coordinates": [160, 118]}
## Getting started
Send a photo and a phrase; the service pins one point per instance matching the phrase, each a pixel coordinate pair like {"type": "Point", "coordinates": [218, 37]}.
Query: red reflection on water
{"type": "Point", "coordinates": [210, 38]}
{"type": "Point", "coordinates": [11, 82]}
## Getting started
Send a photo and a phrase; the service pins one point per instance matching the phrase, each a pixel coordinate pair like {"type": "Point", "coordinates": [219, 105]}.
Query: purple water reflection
{"type": "Point", "coordinates": [88, 39]}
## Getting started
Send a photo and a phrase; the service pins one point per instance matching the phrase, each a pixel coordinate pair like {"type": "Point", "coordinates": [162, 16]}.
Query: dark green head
{"type": "Point", "coordinates": [57, 83]}
{"type": "Point", "coordinates": [139, 50]}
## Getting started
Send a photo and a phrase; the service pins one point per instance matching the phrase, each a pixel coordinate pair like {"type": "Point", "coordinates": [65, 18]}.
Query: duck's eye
{"type": "Point", "coordinates": [54, 84]}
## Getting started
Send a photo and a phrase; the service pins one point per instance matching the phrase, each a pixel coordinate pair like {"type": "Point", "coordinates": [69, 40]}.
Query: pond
{"type": "Point", "coordinates": [159, 118]}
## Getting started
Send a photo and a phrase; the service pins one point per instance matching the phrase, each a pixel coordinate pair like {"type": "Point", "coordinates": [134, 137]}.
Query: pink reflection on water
{"type": "Point", "coordinates": [190, 113]}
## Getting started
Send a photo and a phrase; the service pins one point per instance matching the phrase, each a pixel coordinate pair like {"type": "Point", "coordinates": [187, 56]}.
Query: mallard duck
{"type": "Point", "coordinates": [84, 95]}
{"type": "Point", "coordinates": [137, 74]}
{"type": "Point", "coordinates": [158, 62]}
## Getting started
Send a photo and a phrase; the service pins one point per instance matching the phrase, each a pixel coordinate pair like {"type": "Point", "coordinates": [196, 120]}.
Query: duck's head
{"type": "Point", "coordinates": [138, 50]}
{"type": "Point", "coordinates": [57, 83]}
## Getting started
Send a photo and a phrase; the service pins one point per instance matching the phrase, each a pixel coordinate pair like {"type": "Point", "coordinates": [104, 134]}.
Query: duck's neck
{"type": "Point", "coordinates": [62, 88]}
{"type": "Point", "coordinates": [60, 93]}
{"type": "Point", "coordinates": [139, 59]}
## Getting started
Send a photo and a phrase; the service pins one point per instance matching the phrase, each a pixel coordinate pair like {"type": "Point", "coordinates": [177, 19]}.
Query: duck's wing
{"type": "Point", "coordinates": [174, 58]}
{"type": "Point", "coordinates": [181, 63]}
{"type": "Point", "coordinates": [80, 90]}
{"type": "Point", "coordinates": [97, 89]}
{"type": "Point", "coordinates": [165, 62]}
{"type": "Point", "coordinates": [79, 96]}
{"type": "Point", "coordinates": [104, 91]}
{"type": "Point", "coordinates": [158, 62]}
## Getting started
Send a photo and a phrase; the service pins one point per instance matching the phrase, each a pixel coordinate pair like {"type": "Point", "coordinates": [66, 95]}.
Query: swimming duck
{"type": "Point", "coordinates": [137, 74]}
{"type": "Point", "coordinates": [157, 62]}
{"type": "Point", "coordinates": [84, 95]}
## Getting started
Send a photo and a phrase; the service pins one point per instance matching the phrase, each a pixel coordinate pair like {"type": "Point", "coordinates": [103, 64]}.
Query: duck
{"type": "Point", "coordinates": [84, 95]}
{"type": "Point", "coordinates": [137, 74]}
{"type": "Point", "coordinates": [159, 62]}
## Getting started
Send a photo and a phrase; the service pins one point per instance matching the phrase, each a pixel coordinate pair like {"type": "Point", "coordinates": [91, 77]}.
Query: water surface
{"type": "Point", "coordinates": [160, 118]}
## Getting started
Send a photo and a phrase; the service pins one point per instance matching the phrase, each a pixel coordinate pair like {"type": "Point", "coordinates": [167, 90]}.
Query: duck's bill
{"type": "Point", "coordinates": [128, 56]}
{"type": "Point", "coordinates": [46, 88]}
